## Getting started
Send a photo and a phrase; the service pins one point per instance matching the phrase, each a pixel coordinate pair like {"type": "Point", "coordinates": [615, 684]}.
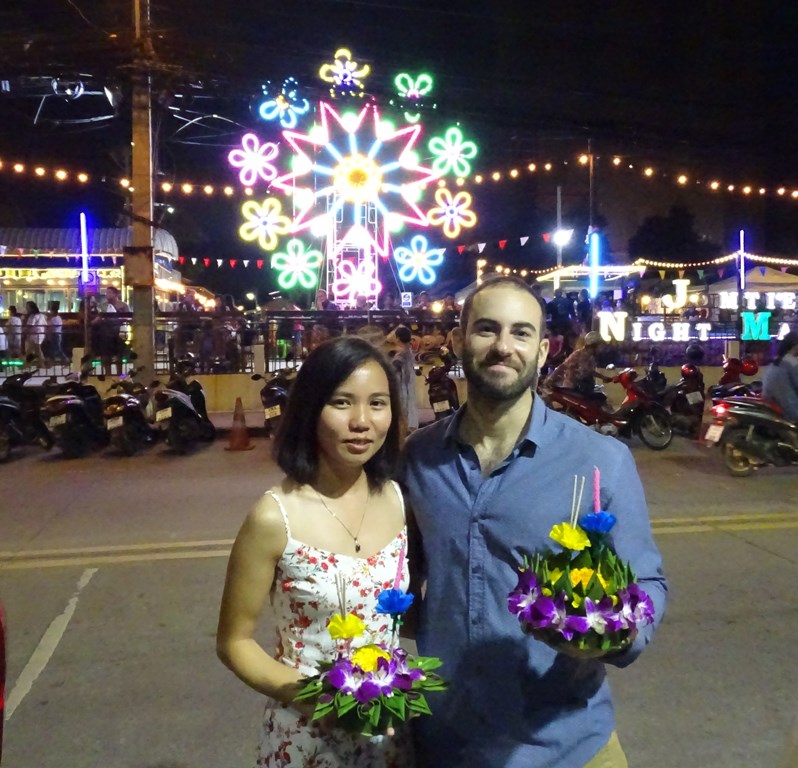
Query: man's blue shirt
{"type": "Point", "coordinates": [513, 701]}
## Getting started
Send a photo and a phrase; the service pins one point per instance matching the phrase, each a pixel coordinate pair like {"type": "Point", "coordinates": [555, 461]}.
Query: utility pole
{"type": "Point", "coordinates": [590, 182]}
{"type": "Point", "coordinates": [139, 259]}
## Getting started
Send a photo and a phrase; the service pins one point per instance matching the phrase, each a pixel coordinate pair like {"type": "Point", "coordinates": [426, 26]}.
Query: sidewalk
{"type": "Point", "coordinates": [223, 421]}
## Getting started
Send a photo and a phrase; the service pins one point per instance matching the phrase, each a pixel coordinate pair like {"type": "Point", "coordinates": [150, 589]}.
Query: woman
{"type": "Point", "coordinates": [780, 383]}
{"type": "Point", "coordinates": [335, 516]}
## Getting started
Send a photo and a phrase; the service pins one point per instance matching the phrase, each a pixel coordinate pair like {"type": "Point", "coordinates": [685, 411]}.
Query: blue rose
{"type": "Point", "coordinates": [597, 522]}
{"type": "Point", "coordinates": [393, 601]}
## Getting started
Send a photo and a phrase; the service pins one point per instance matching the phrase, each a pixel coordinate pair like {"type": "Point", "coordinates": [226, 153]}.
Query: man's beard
{"type": "Point", "coordinates": [492, 389]}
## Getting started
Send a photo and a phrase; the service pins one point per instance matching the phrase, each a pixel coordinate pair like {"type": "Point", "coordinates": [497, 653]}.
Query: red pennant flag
{"type": "Point", "coordinates": [547, 237]}
{"type": "Point", "coordinates": [232, 262]}
{"type": "Point", "coordinates": [181, 259]}
{"type": "Point", "coordinates": [206, 262]}
{"type": "Point", "coordinates": [502, 243]}
{"type": "Point", "coordinates": [460, 249]}
{"type": "Point", "coordinates": [721, 270]}
{"type": "Point", "coordinates": [783, 269]}
{"type": "Point", "coordinates": [259, 262]}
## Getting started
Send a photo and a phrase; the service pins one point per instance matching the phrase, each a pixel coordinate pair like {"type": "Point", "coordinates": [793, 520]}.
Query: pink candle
{"type": "Point", "coordinates": [596, 490]}
{"type": "Point", "coordinates": [399, 568]}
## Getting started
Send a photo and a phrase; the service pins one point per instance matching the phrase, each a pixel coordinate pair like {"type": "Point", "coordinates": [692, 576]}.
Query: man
{"type": "Point", "coordinates": [322, 302]}
{"type": "Point", "coordinates": [54, 336]}
{"type": "Point", "coordinates": [485, 485]}
{"type": "Point", "coordinates": [561, 311]}
{"type": "Point", "coordinates": [578, 370]}
{"type": "Point", "coordinates": [14, 332]}
{"type": "Point", "coordinates": [108, 327]}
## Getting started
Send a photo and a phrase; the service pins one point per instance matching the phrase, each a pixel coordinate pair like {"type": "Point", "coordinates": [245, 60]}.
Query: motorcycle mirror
{"type": "Point", "coordinates": [256, 377]}
{"type": "Point", "coordinates": [610, 367]}
{"type": "Point", "coordinates": [155, 383]}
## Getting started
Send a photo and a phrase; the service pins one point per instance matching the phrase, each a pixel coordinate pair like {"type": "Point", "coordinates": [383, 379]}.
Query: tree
{"type": "Point", "coordinates": [672, 237]}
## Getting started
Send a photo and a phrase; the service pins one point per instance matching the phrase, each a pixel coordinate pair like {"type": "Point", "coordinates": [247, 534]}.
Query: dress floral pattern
{"type": "Point", "coordinates": [303, 599]}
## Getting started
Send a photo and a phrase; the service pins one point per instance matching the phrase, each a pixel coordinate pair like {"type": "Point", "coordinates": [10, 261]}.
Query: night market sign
{"type": "Point", "coordinates": [756, 325]}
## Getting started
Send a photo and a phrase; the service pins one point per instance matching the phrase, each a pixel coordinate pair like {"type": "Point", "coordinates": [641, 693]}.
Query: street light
{"type": "Point", "coordinates": [560, 237]}
{"type": "Point", "coordinates": [250, 297]}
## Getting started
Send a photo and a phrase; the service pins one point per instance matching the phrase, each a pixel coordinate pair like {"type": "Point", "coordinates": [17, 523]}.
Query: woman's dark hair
{"type": "Point", "coordinates": [789, 341]}
{"type": "Point", "coordinates": [325, 369]}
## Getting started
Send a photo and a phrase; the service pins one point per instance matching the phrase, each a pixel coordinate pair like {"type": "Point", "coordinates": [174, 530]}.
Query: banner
{"type": "Point", "coordinates": [524, 240]}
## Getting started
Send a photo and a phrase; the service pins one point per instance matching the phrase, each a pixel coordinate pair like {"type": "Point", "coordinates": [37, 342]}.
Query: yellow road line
{"type": "Point", "coordinates": [725, 518]}
{"type": "Point", "coordinates": [117, 548]}
{"type": "Point", "coordinates": [68, 562]}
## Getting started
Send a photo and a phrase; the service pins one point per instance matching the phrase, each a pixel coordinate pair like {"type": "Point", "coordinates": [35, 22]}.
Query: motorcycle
{"type": "Point", "coordinates": [180, 410]}
{"type": "Point", "coordinates": [274, 396]}
{"type": "Point", "coordinates": [125, 414]}
{"type": "Point", "coordinates": [20, 421]}
{"type": "Point", "coordinates": [638, 414]}
{"type": "Point", "coordinates": [731, 385]}
{"type": "Point", "coordinates": [752, 433]}
{"type": "Point", "coordinates": [441, 388]}
{"type": "Point", "coordinates": [74, 414]}
{"type": "Point", "coordinates": [684, 399]}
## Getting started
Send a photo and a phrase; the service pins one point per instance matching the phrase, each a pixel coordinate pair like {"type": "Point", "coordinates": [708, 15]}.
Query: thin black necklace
{"type": "Point", "coordinates": [354, 536]}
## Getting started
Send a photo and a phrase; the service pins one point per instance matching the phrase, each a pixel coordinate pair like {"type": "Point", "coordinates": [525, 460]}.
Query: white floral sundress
{"type": "Point", "coordinates": [304, 598]}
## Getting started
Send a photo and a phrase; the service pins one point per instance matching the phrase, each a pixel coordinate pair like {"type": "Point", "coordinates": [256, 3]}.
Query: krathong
{"type": "Point", "coordinates": [369, 688]}
{"type": "Point", "coordinates": [582, 596]}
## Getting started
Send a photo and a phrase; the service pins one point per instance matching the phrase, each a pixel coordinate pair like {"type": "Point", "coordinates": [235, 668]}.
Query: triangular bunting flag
{"type": "Point", "coordinates": [481, 246]}
{"type": "Point", "coordinates": [219, 262]}
{"type": "Point", "coordinates": [35, 252]}
{"type": "Point", "coordinates": [206, 262]}
{"type": "Point", "coordinates": [259, 263]}
{"type": "Point", "coordinates": [700, 274]}
{"type": "Point", "coordinates": [232, 262]}
{"type": "Point", "coordinates": [547, 237]}
{"type": "Point", "coordinates": [661, 274]}
{"type": "Point", "coordinates": [193, 259]}
{"type": "Point", "coordinates": [460, 249]}
{"type": "Point", "coordinates": [181, 259]}
{"type": "Point", "coordinates": [721, 270]}
{"type": "Point", "coordinates": [783, 269]}
{"type": "Point", "coordinates": [763, 270]}
{"type": "Point", "coordinates": [113, 259]}
{"type": "Point", "coordinates": [681, 274]}
{"type": "Point", "coordinates": [524, 239]}
{"type": "Point", "coordinates": [245, 263]}
{"type": "Point", "coordinates": [641, 271]}
{"type": "Point", "coordinates": [19, 251]}
{"type": "Point", "coordinates": [502, 243]}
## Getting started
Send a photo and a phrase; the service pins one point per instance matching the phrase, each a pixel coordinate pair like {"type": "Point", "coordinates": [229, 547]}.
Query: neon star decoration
{"type": "Point", "coordinates": [344, 74]}
{"type": "Point", "coordinates": [452, 153]}
{"type": "Point", "coordinates": [411, 91]}
{"type": "Point", "coordinates": [352, 280]}
{"type": "Point", "coordinates": [418, 261]}
{"type": "Point", "coordinates": [453, 212]}
{"type": "Point", "coordinates": [287, 106]}
{"type": "Point", "coordinates": [264, 222]}
{"type": "Point", "coordinates": [347, 163]}
{"type": "Point", "coordinates": [297, 265]}
{"type": "Point", "coordinates": [253, 160]}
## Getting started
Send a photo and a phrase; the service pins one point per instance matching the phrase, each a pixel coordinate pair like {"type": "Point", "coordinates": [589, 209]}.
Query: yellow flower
{"type": "Point", "coordinates": [583, 575]}
{"type": "Point", "coordinates": [366, 657]}
{"type": "Point", "coordinates": [570, 537]}
{"type": "Point", "coordinates": [554, 575]}
{"type": "Point", "coordinates": [345, 627]}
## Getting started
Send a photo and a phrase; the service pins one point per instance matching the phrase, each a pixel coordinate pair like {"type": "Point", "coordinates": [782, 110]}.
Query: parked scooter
{"type": "Point", "coordinates": [731, 385]}
{"type": "Point", "coordinates": [125, 413]}
{"type": "Point", "coordinates": [638, 414]}
{"type": "Point", "coordinates": [274, 397]}
{"type": "Point", "coordinates": [752, 433]}
{"type": "Point", "coordinates": [180, 410]}
{"type": "Point", "coordinates": [74, 414]}
{"type": "Point", "coordinates": [441, 388]}
{"type": "Point", "coordinates": [20, 420]}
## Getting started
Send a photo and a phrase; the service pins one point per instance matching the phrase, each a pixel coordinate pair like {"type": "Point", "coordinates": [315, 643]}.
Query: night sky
{"type": "Point", "coordinates": [710, 89]}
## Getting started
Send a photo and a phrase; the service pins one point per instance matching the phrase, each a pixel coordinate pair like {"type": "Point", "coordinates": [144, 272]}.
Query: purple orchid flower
{"type": "Point", "coordinates": [393, 601]}
{"type": "Point", "coordinates": [598, 522]}
{"type": "Point", "coordinates": [526, 592]}
{"type": "Point", "coordinates": [342, 675]}
{"type": "Point", "coordinates": [636, 607]}
{"type": "Point", "coordinates": [546, 613]}
{"type": "Point", "coordinates": [384, 676]}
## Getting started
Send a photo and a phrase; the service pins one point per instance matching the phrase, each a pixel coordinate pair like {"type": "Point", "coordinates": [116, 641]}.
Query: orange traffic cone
{"type": "Point", "coordinates": [239, 435]}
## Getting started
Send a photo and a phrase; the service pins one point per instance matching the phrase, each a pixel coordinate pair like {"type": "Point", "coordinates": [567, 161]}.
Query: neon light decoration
{"type": "Point", "coordinates": [264, 222]}
{"type": "Point", "coordinates": [353, 279]}
{"type": "Point", "coordinates": [594, 259]}
{"type": "Point", "coordinates": [253, 160]}
{"type": "Point", "coordinates": [297, 264]}
{"type": "Point", "coordinates": [287, 106]}
{"type": "Point", "coordinates": [411, 91]}
{"type": "Point", "coordinates": [355, 162]}
{"type": "Point", "coordinates": [453, 212]}
{"type": "Point", "coordinates": [452, 153]}
{"type": "Point", "coordinates": [417, 261]}
{"type": "Point", "coordinates": [344, 74]}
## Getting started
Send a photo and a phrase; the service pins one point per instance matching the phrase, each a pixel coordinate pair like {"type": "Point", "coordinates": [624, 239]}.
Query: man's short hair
{"type": "Point", "coordinates": [496, 281]}
{"type": "Point", "coordinates": [403, 334]}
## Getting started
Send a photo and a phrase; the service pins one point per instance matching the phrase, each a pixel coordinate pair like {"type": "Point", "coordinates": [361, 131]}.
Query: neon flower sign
{"type": "Point", "coordinates": [417, 261]}
{"type": "Point", "coordinates": [344, 74]}
{"type": "Point", "coordinates": [264, 222]}
{"type": "Point", "coordinates": [287, 106]}
{"type": "Point", "coordinates": [411, 90]}
{"type": "Point", "coordinates": [452, 153]}
{"type": "Point", "coordinates": [297, 264]}
{"type": "Point", "coordinates": [354, 161]}
{"type": "Point", "coordinates": [352, 280]}
{"type": "Point", "coordinates": [253, 160]}
{"type": "Point", "coordinates": [453, 212]}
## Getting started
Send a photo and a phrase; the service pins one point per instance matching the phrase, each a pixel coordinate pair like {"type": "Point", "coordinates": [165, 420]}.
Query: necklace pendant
{"type": "Point", "coordinates": [357, 546]}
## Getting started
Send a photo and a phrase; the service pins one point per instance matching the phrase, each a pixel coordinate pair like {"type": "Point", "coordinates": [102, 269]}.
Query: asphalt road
{"type": "Point", "coordinates": [111, 571]}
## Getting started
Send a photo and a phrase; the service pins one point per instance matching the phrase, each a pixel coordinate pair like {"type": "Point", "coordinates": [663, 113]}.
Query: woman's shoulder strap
{"type": "Point", "coordinates": [282, 511]}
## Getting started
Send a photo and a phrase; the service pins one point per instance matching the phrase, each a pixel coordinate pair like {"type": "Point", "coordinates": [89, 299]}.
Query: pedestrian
{"type": "Point", "coordinates": [561, 311]}
{"type": "Point", "coordinates": [3, 344]}
{"type": "Point", "coordinates": [335, 517]}
{"type": "Point", "coordinates": [584, 311]}
{"type": "Point", "coordinates": [108, 328]}
{"type": "Point", "coordinates": [322, 302]}
{"type": "Point", "coordinates": [404, 361]}
{"type": "Point", "coordinates": [35, 328]}
{"type": "Point", "coordinates": [780, 383]}
{"type": "Point", "coordinates": [55, 330]}
{"type": "Point", "coordinates": [579, 370]}
{"type": "Point", "coordinates": [485, 484]}
{"type": "Point", "coordinates": [14, 332]}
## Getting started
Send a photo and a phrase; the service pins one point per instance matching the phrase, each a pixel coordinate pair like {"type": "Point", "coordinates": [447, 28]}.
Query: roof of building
{"type": "Point", "coordinates": [109, 240]}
